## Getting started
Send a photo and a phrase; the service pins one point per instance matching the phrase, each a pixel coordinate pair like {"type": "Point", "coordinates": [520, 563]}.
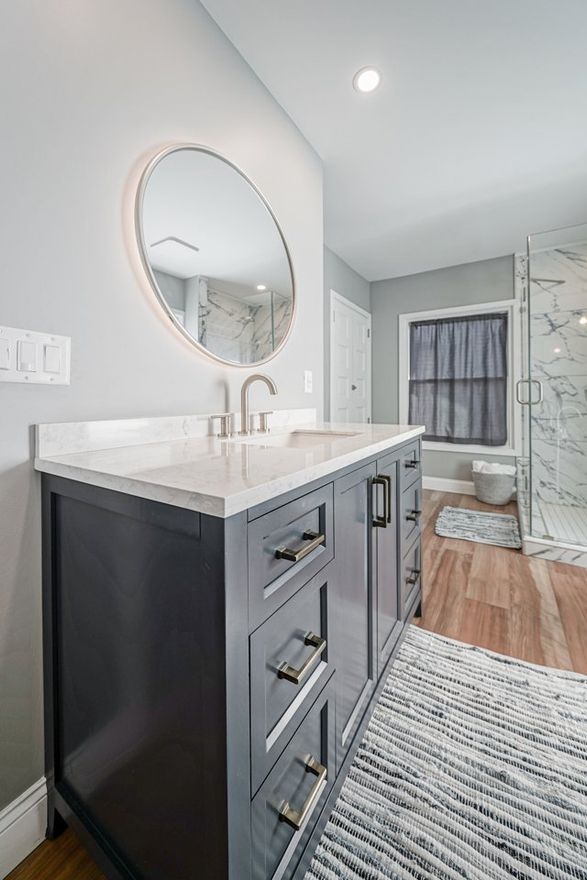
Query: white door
{"type": "Point", "coordinates": [350, 361]}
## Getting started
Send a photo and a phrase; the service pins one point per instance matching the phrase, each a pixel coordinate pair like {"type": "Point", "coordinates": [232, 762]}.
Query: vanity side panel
{"type": "Point", "coordinates": [136, 704]}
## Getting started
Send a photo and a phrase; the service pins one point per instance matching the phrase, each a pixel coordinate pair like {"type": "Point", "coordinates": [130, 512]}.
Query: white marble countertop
{"type": "Point", "coordinates": [218, 477]}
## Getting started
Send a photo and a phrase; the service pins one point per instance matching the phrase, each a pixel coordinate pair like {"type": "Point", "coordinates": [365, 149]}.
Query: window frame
{"type": "Point", "coordinates": [514, 416]}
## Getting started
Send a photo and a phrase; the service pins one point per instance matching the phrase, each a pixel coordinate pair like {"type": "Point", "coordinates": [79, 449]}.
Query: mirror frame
{"type": "Point", "coordinates": [139, 204]}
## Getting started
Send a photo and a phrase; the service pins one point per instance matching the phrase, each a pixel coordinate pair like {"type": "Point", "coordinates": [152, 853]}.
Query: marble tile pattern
{"type": "Point", "coordinates": [241, 332]}
{"type": "Point", "coordinates": [558, 358]}
{"type": "Point", "coordinates": [534, 528]}
{"type": "Point", "coordinates": [205, 474]}
{"type": "Point", "coordinates": [62, 438]}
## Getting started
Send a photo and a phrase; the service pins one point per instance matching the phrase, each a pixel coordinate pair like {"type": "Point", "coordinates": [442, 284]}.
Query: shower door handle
{"type": "Point", "coordinates": [540, 386]}
{"type": "Point", "coordinates": [529, 382]}
{"type": "Point", "coordinates": [519, 384]}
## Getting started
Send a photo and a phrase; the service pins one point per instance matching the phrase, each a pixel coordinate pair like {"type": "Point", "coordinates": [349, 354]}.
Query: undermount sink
{"type": "Point", "coordinates": [299, 439]}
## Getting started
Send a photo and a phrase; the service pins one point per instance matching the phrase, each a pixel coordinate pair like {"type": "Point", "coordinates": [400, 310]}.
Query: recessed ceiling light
{"type": "Point", "coordinates": [261, 287]}
{"type": "Point", "coordinates": [366, 79]}
{"type": "Point", "coordinates": [556, 350]}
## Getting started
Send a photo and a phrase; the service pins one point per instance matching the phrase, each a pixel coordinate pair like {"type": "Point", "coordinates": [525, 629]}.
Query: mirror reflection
{"type": "Point", "coordinates": [215, 255]}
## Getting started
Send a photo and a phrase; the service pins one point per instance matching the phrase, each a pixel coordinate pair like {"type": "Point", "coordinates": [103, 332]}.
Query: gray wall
{"type": "Point", "coordinates": [90, 91]}
{"type": "Point", "coordinates": [480, 282]}
{"type": "Point", "coordinates": [339, 276]}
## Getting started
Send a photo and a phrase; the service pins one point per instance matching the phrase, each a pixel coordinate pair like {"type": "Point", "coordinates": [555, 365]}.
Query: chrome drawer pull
{"type": "Point", "coordinates": [414, 577]}
{"type": "Point", "coordinates": [295, 555]}
{"type": "Point", "coordinates": [414, 516]}
{"type": "Point", "coordinates": [385, 481]}
{"type": "Point", "coordinates": [296, 818]}
{"type": "Point", "coordinates": [296, 676]}
{"type": "Point", "coordinates": [414, 463]}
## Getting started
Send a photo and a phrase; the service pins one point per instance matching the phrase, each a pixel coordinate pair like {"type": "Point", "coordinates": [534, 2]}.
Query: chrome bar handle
{"type": "Point", "coordinates": [540, 391]}
{"type": "Point", "coordinates": [381, 521]}
{"type": "Point", "coordinates": [296, 818]}
{"type": "Point", "coordinates": [387, 508]}
{"type": "Point", "coordinates": [519, 384]}
{"type": "Point", "coordinates": [296, 676]}
{"type": "Point", "coordinates": [314, 539]}
{"type": "Point", "coordinates": [414, 515]}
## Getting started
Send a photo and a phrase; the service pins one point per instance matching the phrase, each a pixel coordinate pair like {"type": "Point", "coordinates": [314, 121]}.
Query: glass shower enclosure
{"type": "Point", "coordinates": [552, 474]}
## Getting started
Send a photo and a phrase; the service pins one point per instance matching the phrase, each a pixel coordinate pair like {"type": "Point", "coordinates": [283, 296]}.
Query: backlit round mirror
{"type": "Point", "coordinates": [215, 255]}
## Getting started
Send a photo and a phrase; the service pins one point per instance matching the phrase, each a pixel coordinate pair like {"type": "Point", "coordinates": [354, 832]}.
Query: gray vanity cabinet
{"type": "Point", "coordinates": [208, 680]}
{"type": "Point", "coordinates": [354, 609]}
{"type": "Point", "coordinates": [389, 625]}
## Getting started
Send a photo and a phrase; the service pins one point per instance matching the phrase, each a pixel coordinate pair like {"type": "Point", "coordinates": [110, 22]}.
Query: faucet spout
{"type": "Point", "coordinates": [256, 377]}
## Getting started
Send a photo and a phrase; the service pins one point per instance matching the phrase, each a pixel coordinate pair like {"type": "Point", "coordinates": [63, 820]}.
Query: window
{"type": "Point", "coordinates": [456, 367]}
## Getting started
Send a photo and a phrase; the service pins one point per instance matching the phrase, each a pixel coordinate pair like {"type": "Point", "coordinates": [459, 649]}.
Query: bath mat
{"type": "Point", "coordinates": [473, 766]}
{"type": "Point", "coordinates": [500, 529]}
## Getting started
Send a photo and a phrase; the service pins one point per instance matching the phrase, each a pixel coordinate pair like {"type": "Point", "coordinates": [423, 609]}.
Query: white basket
{"type": "Point", "coordinates": [493, 488]}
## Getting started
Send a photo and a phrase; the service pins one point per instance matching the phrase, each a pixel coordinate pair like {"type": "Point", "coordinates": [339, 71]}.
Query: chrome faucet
{"type": "Point", "coordinates": [256, 377]}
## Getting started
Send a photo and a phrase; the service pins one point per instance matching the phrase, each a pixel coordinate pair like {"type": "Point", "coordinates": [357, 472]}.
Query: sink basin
{"type": "Point", "coordinates": [299, 439]}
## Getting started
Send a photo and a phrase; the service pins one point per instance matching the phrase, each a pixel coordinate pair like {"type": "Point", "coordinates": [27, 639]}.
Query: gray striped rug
{"type": "Point", "coordinates": [473, 766]}
{"type": "Point", "coordinates": [474, 525]}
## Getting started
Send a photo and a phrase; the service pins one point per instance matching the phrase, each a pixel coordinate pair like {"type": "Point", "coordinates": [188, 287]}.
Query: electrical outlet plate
{"type": "Point", "coordinates": [31, 357]}
{"type": "Point", "coordinates": [308, 381]}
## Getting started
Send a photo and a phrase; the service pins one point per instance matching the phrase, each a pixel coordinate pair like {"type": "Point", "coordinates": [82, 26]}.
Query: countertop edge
{"type": "Point", "coordinates": [214, 505]}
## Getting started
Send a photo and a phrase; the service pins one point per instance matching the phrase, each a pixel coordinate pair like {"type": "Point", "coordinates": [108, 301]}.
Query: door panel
{"type": "Point", "coordinates": [350, 363]}
{"type": "Point", "coordinates": [354, 641]}
{"type": "Point", "coordinates": [389, 625]}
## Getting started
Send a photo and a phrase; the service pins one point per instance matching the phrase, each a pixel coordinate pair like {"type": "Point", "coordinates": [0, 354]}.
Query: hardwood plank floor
{"type": "Point", "coordinates": [488, 596]}
{"type": "Point", "coordinates": [500, 599]}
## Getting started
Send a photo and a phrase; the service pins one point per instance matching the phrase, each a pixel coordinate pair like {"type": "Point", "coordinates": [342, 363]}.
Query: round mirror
{"type": "Point", "coordinates": [215, 255]}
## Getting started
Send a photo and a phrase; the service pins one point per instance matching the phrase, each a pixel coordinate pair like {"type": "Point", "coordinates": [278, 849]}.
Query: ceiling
{"type": "Point", "coordinates": [201, 217]}
{"type": "Point", "coordinates": [476, 137]}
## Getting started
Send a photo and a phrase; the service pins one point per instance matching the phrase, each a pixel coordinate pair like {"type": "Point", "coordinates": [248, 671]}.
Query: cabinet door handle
{"type": "Point", "coordinates": [296, 676]}
{"type": "Point", "coordinates": [414, 515]}
{"type": "Point", "coordinates": [414, 577]}
{"type": "Point", "coordinates": [382, 521]}
{"type": "Point", "coordinates": [295, 555]}
{"type": "Point", "coordinates": [296, 818]}
{"type": "Point", "coordinates": [414, 463]}
{"type": "Point", "coordinates": [387, 509]}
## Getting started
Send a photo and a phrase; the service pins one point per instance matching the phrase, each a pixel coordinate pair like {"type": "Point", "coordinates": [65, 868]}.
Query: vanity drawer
{"type": "Point", "coordinates": [410, 514]}
{"type": "Point", "coordinates": [289, 663]}
{"type": "Point", "coordinates": [410, 465]}
{"type": "Point", "coordinates": [297, 787]}
{"type": "Point", "coordinates": [287, 547]}
{"type": "Point", "coordinates": [410, 580]}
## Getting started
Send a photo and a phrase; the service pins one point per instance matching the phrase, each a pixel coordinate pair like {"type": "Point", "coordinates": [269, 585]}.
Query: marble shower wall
{"type": "Point", "coordinates": [239, 332]}
{"type": "Point", "coordinates": [558, 358]}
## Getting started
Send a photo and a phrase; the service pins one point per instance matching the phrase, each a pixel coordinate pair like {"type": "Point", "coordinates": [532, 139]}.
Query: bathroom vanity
{"type": "Point", "coordinates": [219, 618]}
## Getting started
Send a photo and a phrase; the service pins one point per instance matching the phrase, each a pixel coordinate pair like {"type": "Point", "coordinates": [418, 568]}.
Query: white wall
{"type": "Point", "coordinates": [89, 90]}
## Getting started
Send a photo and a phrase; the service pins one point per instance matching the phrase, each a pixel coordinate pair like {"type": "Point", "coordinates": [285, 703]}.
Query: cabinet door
{"type": "Point", "coordinates": [389, 625]}
{"type": "Point", "coordinates": [354, 606]}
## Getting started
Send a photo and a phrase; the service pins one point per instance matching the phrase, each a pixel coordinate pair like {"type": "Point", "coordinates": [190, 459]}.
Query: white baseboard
{"type": "Point", "coordinates": [22, 826]}
{"type": "Point", "coordinates": [440, 484]}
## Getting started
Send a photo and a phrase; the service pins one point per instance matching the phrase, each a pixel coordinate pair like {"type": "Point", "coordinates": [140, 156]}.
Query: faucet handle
{"type": "Point", "coordinates": [226, 426]}
{"type": "Point", "coordinates": [264, 421]}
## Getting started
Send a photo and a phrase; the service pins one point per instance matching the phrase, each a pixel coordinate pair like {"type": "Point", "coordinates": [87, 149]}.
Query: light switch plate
{"type": "Point", "coordinates": [31, 357]}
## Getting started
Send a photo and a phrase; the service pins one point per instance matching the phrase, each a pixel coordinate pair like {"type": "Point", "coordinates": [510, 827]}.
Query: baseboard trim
{"type": "Point", "coordinates": [440, 484]}
{"type": "Point", "coordinates": [22, 826]}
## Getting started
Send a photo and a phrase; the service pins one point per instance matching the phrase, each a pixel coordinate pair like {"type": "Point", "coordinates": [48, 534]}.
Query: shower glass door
{"type": "Point", "coordinates": [556, 417]}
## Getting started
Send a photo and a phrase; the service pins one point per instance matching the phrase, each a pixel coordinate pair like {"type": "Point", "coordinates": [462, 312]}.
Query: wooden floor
{"type": "Point", "coordinates": [484, 595]}
{"type": "Point", "coordinates": [500, 599]}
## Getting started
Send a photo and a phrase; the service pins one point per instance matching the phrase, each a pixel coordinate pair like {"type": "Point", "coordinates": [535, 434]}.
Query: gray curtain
{"type": "Point", "coordinates": [458, 379]}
